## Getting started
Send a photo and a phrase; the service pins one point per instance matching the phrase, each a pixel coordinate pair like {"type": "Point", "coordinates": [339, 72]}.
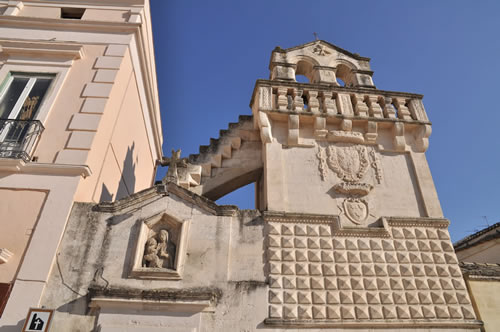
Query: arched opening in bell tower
{"type": "Point", "coordinates": [304, 71]}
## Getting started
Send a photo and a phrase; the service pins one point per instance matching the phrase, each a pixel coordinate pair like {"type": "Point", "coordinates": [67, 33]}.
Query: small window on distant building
{"type": "Point", "coordinates": [72, 13]}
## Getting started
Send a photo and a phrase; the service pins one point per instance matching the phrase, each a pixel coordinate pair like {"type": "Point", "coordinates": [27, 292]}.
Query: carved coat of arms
{"type": "Point", "coordinates": [356, 209]}
{"type": "Point", "coordinates": [350, 162]}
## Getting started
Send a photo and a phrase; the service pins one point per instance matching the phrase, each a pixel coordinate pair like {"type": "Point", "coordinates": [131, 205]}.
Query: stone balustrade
{"type": "Point", "coordinates": [331, 100]}
{"type": "Point", "coordinates": [343, 107]}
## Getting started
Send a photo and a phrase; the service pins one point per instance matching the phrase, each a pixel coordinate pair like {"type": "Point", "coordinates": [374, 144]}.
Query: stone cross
{"type": "Point", "coordinates": [172, 163]}
{"type": "Point", "coordinates": [315, 35]}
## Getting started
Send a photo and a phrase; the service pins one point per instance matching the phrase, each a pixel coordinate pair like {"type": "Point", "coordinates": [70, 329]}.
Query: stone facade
{"type": "Point", "coordinates": [348, 232]}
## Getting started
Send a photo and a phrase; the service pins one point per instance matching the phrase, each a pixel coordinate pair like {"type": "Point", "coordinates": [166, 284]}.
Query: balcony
{"type": "Point", "coordinates": [341, 102]}
{"type": "Point", "coordinates": [18, 138]}
{"type": "Point", "coordinates": [340, 114]}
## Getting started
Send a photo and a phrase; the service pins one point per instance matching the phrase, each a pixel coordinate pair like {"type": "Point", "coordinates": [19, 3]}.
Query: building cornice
{"type": "Point", "coordinates": [194, 300]}
{"type": "Point", "coordinates": [19, 166]}
{"type": "Point", "coordinates": [41, 48]}
{"type": "Point", "coordinates": [159, 190]}
{"type": "Point", "coordinates": [74, 25]}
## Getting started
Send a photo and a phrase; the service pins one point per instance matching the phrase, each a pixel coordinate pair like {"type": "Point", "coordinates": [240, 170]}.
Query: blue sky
{"type": "Point", "coordinates": [210, 53]}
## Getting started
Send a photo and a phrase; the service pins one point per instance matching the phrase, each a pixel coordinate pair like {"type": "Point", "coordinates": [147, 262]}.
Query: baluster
{"type": "Point", "coordinates": [313, 103]}
{"type": "Point", "coordinates": [298, 102]}
{"type": "Point", "coordinates": [389, 111]}
{"type": "Point", "coordinates": [360, 107]}
{"type": "Point", "coordinates": [403, 111]}
{"type": "Point", "coordinates": [282, 99]}
{"type": "Point", "coordinates": [329, 106]}
{"type": "Point", "coordinates": [374, 107]}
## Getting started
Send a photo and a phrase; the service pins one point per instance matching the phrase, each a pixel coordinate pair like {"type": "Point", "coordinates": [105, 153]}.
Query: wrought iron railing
{"type": "Point", "coordinates": [18, 138]}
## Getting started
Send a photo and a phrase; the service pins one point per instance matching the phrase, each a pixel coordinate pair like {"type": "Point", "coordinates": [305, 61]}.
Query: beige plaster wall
{"type": "Point", "coordinates": [19, 210]}
{"type": "Point", "coordinates": [130, 143]}
{"type": "Point", "coordinates": [66, 105]}
{"type": "Point", "coordinates": [120, 156]}
{"type": "Point", "coordinates": [486, 252]}
{"type": "Point", "coordinates": [106, 15]}
{"type": "Point", "coordinates": [485, 294]}
{"type": "Point", "coordinates": [295, 183]}
{"type": "Point", "coordinates": [40, 253]}
{"type": "Point", "coordinates": [39, 11]}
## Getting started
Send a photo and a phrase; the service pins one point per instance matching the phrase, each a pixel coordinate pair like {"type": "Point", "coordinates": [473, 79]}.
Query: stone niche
{"type": "Point", "coordinates": [160, 248]}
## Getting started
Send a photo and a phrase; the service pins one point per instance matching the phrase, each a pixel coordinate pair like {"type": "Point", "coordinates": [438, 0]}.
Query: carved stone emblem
{"type": "Point", "coordinates": [356, 209]}
{"type": "Point", "coordinates": [351, 163]}
{"type": "Point", "coordinates": [347, 188]}
{"type": "Point", "coordinates": [320, 50]}
{"type": "Point", "coordinates": [348, 162]}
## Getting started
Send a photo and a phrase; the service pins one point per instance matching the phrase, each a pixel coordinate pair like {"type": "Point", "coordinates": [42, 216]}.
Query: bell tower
{"type": "Point", "coordinates": [355, 234]}
{"type": "Point", "coordinates": [352, 151]}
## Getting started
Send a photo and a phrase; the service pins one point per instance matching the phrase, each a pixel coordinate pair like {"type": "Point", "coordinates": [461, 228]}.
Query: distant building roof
{"type": "Point", "coordinates": [480, 270]}
{"type": "Point", "coordinates": [487, 234]}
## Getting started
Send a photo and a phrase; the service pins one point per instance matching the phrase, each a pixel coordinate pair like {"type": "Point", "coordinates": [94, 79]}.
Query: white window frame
{"type": "Point", "coordinates": [58, 74]}
{"type": "Point", "coordinates": [32, 77]}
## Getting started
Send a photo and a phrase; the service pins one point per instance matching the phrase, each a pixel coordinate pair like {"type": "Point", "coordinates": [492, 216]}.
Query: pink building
{"type": "Point", "coordinates": [79, 121]}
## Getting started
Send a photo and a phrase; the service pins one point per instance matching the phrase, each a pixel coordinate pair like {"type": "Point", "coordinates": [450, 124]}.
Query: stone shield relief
{"type": "Point", "coordinates": [351, 163]}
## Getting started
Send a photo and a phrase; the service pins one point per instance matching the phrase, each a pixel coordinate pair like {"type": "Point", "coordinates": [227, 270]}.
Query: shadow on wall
{"type": "Point", "coordinates": [13, 328]}
{"type": "Point", "coordinates": [126, 186]}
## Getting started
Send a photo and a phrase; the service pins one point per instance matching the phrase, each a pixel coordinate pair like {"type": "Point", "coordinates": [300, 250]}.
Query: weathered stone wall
{"type": "Point", "coordinates": [224, 257]}
{"type": "Point", "coordinates": [243, 271]}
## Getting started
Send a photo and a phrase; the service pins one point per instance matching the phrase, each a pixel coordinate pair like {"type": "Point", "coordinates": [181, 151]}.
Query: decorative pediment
{"type": "Point", "coordinates": [321, 62]}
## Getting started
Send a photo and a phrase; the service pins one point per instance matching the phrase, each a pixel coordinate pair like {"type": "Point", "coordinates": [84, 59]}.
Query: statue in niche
{"type": "Point", "coordinates": [160, 252]}
{"type": "Point", "coordinates": [151, 253]}
{"type": "Point", "coordinates": [166, 249]}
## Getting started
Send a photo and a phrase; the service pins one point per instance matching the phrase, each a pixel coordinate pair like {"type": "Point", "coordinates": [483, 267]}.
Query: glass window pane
{"type": "Point", "coordinates": [12, 95]}
{"type": "Point", "coordinates": [34, 99]}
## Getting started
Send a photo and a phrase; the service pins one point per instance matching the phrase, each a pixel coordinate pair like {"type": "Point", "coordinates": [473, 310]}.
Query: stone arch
{"type": "Point", "coordinates": [231, 180]}
{"type": "Point", "coordinates": [305, 66]}
{"type": "Point", "coordinates": [345, 72]}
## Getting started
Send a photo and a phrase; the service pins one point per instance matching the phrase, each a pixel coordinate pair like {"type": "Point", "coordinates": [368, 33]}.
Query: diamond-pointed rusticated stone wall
{"type": "Point", "coordinates": [404, 273]}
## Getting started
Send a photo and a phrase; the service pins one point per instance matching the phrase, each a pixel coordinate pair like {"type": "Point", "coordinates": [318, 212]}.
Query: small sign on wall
{"type": "Point", "coordinates": [38, 320]}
